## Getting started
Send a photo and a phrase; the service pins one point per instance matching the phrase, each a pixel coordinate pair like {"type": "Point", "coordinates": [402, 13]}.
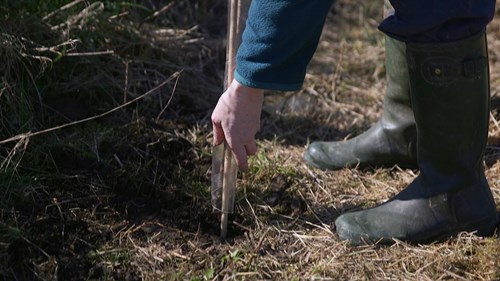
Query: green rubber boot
{"type": "Point", "coordinates": [450, 96]}
{"type": "Point", "coordinates": [390, 141]}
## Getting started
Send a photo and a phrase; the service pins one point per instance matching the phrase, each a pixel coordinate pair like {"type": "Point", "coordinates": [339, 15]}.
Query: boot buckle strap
{"type": "Point", "coordinates": [445, 70]}
{"type": "Point", "coordinates": [474, 68]}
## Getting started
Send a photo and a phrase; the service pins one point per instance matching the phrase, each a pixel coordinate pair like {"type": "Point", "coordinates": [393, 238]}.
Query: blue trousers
{"type": "Point", "coordinates": [437, 20]}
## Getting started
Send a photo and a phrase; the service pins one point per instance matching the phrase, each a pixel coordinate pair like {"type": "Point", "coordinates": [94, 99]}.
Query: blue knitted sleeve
{"type": "Point", "coordinates": [279, 40]}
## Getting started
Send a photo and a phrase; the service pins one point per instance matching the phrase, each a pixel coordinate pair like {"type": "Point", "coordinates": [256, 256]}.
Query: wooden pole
{"type": "Point", "coordinates": [224, 168]}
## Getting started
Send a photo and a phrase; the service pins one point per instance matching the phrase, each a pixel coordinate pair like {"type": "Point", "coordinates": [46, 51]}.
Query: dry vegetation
{"type": "Point", "coordinates": [125, 194]}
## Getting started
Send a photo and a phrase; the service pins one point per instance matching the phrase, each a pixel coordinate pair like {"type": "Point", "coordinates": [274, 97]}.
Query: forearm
{"type": "Point", "coordinates": [278, 42]}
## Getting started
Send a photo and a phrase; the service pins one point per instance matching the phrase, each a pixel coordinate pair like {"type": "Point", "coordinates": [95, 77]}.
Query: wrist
{"type": "Point", "coordinates": [240, 89]}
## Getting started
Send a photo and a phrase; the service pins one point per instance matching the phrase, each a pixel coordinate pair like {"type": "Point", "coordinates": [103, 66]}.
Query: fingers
{"type": "Point", "coordinates": [251, 148]}
{"type": "Point", "coordinates": [240, 151]}
{"type": "Point", "coordinates": [240, 154]}
{"type": "Point", "coordinates": [218, 133]}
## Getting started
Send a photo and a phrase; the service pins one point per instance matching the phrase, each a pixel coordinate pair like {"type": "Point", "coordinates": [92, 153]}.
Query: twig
{"type": "Point", "coordinates": [497, 123]}
{"type": "Point", "coordinates": [65, 7]}
{"type": "Point", "coordinates": [86, 54]}
{"type": "Point", "coordinates": [89, 11]}
{"type": "Point", "coordinates": [22, 142]}
{"type": "Point", "coordinates": [30, 134]}
{"type": "Point", "coordinates": [261, 240]}
{"type": "Point", "coordinates": [159, 12]}
{"type": "Point", "coordinates": [169, 100]}
{"type": "Point", "coordinates": [37, 247]}
{"type": "Point", "coordinates": [125, 87]}
{"type": "Point", "coordinates": [70, 42]}
{"type": "Point", "coordinates": [454, 275]}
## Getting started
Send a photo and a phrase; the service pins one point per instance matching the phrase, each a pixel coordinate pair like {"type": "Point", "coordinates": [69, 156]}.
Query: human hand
{"type": "Point", "coordinates": [236, 119]}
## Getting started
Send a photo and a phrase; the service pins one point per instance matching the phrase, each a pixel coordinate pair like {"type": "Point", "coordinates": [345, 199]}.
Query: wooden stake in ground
{"type": "Point", "coordinates": [224, 168]}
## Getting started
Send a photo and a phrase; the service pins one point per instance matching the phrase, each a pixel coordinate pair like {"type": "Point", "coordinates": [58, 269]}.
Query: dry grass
{"type": "Point", "coordinates": [127, 197]}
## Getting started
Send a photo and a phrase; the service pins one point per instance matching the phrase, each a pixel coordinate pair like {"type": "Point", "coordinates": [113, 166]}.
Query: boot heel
{"type": "Point", "coordinates": [488, 227]}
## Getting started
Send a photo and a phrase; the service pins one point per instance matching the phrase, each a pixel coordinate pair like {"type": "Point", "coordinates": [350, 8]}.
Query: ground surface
{"type": "Point", "coordinates": [126, 196]}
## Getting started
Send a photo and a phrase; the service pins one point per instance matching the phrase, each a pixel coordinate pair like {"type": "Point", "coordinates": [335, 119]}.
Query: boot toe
{"type": "Point", "coordinates": [315, 156]}
{"type": "Point", "coordinates": [329, 155]}
{"type": "Point", "coordinates": [349, 229]}
{"type": "Point", "coordinates": [371, 226]}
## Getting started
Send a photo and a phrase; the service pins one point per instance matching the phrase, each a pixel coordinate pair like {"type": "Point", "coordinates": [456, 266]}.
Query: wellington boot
{"type": "Point", "coordinates": [390, 141]}
{"type": "Point", "coordinates": [449, 85]}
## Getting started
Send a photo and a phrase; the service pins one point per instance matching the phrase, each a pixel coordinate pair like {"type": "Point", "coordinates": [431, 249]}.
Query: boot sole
{"type": "Point", "coordinates": [487, 229]}
{"type": "Point", "coordinates": [361, 166]}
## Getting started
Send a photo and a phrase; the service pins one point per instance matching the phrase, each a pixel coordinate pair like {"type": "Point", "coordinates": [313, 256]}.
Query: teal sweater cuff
{"type": "Point", "coordinates": [267, 85]}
